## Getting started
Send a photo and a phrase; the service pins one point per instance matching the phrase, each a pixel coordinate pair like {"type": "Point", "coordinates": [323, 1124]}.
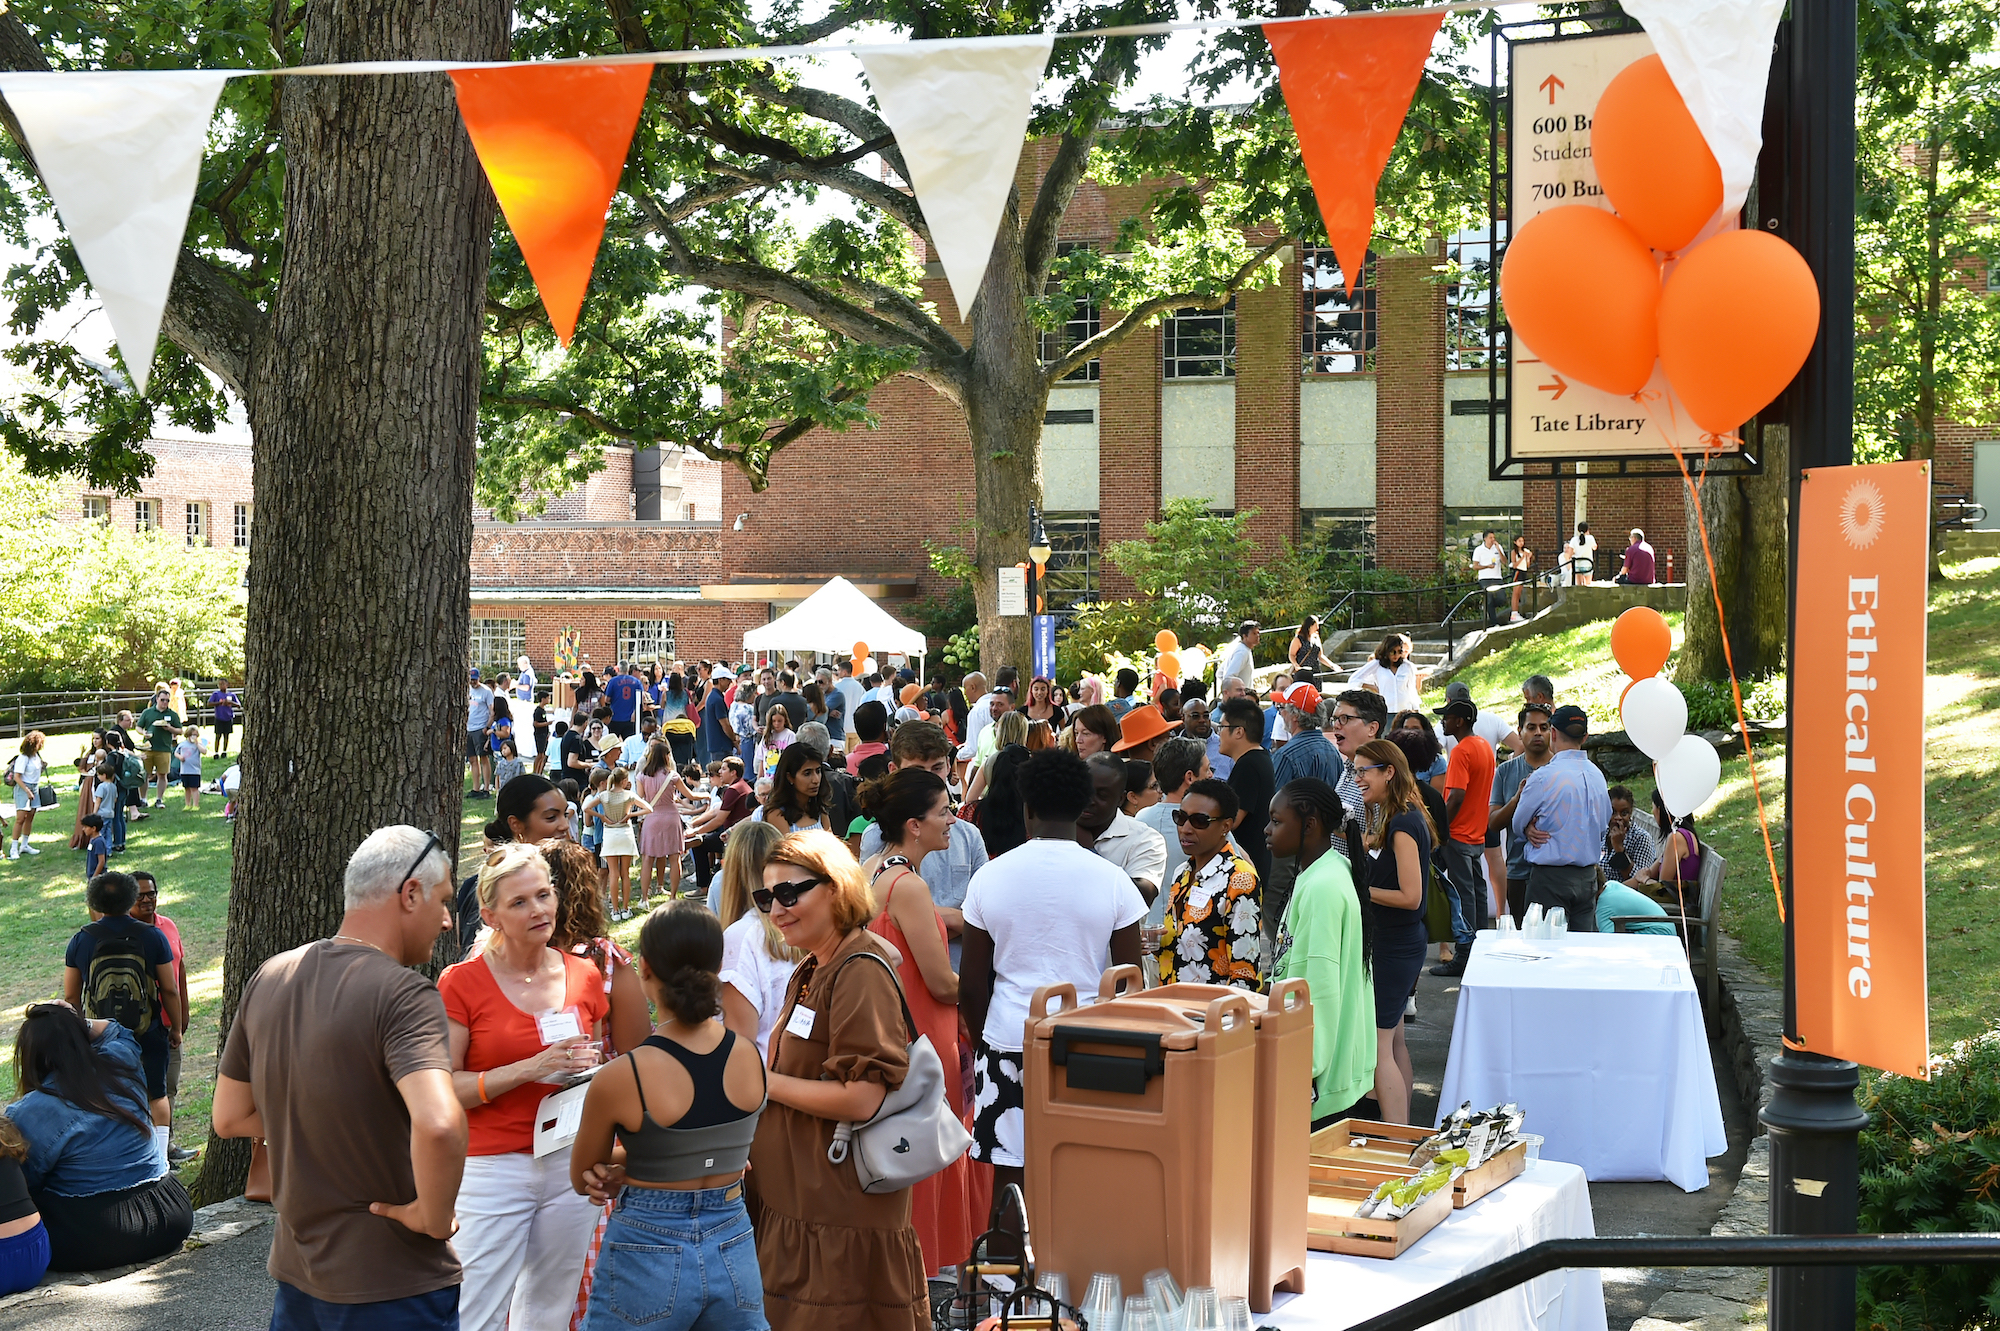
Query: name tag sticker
{"type": "Point", "coordinates": [562, 1025]}
{"type": "Point", "coordinates": [801, 1023]}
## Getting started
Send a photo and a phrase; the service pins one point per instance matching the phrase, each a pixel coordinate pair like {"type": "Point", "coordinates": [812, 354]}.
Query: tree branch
{"type": "Point", "coordinates": [834, 109]}
{"type": "Point", "coordinates": [206, 316]}
{"type": "Point", "coordinates": [840, 16]}
{"type": "Point", "coordinates": [1086, 350]}
{"type": "Point", "coordinates": [1065, 173]}
{"type": "Point", "coordinates": [832, 172]}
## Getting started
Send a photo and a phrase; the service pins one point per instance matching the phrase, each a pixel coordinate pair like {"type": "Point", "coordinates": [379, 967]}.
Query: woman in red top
{"type": "Point", "coordinates": [524, 1017]}
{"type": "Point", "coordinates": [914, 812]}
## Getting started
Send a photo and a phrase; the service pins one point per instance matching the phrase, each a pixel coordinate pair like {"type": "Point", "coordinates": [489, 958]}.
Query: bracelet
{"type": "Point", "coordinates": [483, 1099]}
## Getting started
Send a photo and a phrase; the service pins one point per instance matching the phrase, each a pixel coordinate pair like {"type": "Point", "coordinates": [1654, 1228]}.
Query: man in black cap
{"type": "Point", "coordinates": [1562, 811]}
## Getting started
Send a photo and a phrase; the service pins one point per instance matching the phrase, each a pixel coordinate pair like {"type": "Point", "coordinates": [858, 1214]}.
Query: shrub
{"type": "Point", "coordinates": [1930, 1162]}
{"type": "Point", "coordinates": [1711, 706]}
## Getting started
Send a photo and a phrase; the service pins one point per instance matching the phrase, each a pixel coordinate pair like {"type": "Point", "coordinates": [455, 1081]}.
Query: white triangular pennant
{"type": "Point", "coordinates": [960, 111]}
{"type": "Point", "coordinates": [120, 154]}
{"type": "Point", "coordinates": [1718, 53]}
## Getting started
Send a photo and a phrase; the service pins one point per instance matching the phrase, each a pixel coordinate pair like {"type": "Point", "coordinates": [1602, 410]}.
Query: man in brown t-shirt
{"type": "Point", "coordinates": [340, 1061]}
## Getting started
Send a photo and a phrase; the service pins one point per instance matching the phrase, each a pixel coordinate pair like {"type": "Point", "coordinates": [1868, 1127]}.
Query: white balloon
{"type": "Point", "coordinates": [1655, 716]}
{"type": "Point", "coordinates": [1688, 775]}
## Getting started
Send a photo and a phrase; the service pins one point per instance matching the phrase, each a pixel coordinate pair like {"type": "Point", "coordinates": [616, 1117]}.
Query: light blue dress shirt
{"type": "Point", "coordinates": [1569, 796]}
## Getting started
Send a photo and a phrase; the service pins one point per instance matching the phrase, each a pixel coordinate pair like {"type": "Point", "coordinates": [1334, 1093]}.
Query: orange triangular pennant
{"type": "Point", "coordinates": [1348, 82]}
{"type": "Point", "coordinates": [553, 139]}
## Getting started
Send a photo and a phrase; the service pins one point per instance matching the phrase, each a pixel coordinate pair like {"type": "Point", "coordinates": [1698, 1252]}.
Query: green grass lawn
{"type": "Point", "coordinates": [1962, 805]}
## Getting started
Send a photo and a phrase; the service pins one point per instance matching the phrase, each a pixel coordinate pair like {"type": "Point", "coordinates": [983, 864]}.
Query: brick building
{"type": "Point", "coordinates": [1359, 421]}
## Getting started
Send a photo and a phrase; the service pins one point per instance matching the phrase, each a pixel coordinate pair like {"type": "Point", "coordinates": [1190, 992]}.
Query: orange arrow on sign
{"type": "Point", "coordinates": [1559, 387]}
{"type": "Point", "coordinates": [1549, 85]}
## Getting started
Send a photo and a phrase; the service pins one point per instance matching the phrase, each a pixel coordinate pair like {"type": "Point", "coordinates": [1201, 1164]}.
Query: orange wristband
{"type": "Point", "coordinates": [482, 1090]}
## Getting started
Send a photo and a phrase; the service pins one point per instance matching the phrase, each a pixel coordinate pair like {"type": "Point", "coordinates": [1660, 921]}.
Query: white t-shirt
{"type": "Point", "coordinates": [1237, 662]}
{"type": "Point", "coordinates": [1051, 908]}
{"type": "Point", "coordinates": [851, 690]}
{"type": "Point", "coordinates": [1486, 561]}
{"type": "Point", "coordinates": [1488, 725]}
{"type": "Point", "coordinates": [978, 716]}
{"type": "Point", "coordinates": [749, 966]}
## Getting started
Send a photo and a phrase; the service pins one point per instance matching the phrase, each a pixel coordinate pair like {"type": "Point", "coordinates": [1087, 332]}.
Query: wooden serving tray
{"type": "Point", "coordinates": [1332, 1226]}
{"type": "Point", "coordinates": [1476, 1183]}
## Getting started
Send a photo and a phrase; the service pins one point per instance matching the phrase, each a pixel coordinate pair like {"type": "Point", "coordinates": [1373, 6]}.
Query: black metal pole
{"type": "Point", "coordinates": [1806, 187]}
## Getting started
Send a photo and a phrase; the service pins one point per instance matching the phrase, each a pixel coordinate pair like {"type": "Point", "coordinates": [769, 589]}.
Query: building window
{"type": "Point", "coordinates": [197, 524]}
{"type": "Point", "coordinates": [1471, 342]}
{"type": "Point", "coordinates": [1072, 578]}
{"type": "Point", "coordinates": [1200, 344]}
{"type": "Point", "coordinates": [240, 533]}
{"type": "Point", "coordinates": [498, 643]}
{"type": "Point", "coordinates": [96, 508]}
{"type": "Point", "coordinates": [646, 641]}
{"type": "Point", "coordinates": [1467, 528]}
{"type": "Point", "coordinates": [145, 514]}
{"type": "Point", "coordinates": [1339, 329]}
{"type": "Point", "coordinates": [1344, 537]}
{"type": "Point", "coordinates": [1085, 321]}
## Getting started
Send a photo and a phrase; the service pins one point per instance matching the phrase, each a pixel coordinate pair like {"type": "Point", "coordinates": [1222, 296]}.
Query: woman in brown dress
{"type": "Point", "coordinates": [833, 1257]}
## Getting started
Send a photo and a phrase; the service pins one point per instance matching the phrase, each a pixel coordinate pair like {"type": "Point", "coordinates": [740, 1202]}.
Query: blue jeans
{"type": "Point", "coordinates": [24, 1259]}
{"type": "Point", "coordinates": [677, 1260]}
{"type": "Point", "coordinates": [1467, 889]}
{"type": "Point", "coordinates": [296, 1310]}
{"type": "Point", "coordinates": [117, 828]}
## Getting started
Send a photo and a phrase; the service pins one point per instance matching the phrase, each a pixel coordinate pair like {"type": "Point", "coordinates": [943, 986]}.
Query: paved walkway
{"type": "Point", "coordinates": [222, 1285]}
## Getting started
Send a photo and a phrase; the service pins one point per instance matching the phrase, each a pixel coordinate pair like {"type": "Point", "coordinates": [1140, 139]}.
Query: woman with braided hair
{"type": "Point", "coordinates": [1326, 937]}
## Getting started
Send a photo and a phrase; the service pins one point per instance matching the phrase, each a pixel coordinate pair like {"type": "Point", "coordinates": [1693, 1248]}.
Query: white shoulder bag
{"type": "Point", "coordinates": [914, 1134]}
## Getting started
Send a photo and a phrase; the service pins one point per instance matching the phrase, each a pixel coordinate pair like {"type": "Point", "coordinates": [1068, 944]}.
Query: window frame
{"type": "Point", "coordinates": [145, 514]}
{"type": "Point", "coordinates": [1316, 323]}
{"type": "Point", "coordinates": [1074, 574]}
{"type": "Point", "coordinates": [1085, 321]}
{"type": "Point", "coordinates": [626, 635]}
{"type": "Point", "coordinates": [96, 508]}
{"type": "Point", "coordinates": [196, 523]}
{"type": "Point", "coordinates": [1175, 365]}
{"type": "Point", "coordinates": [1474, 338]}
{"type": "Point", "coordinates": [239, 527]}
{"type": "Point", "coordinates": [484, 631]}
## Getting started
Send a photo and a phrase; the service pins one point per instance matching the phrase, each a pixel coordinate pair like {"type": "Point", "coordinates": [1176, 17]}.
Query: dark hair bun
{"type": "Point", "coordinates": [682, 946]}
{"type": "Point", "coordinates": [692, 994]}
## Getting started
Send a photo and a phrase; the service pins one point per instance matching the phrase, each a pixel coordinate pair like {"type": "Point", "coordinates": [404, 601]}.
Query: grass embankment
{"type": "Point", "coordinates": [1962, 790]}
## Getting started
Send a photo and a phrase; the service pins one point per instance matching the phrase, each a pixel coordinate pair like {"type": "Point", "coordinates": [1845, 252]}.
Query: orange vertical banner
{"type": "Point", "coordinates": [1348, 82]}
{"type": "Point", "coordinates": [1857, 764]}
{"type": "Point", "coordinates": [553, 140]}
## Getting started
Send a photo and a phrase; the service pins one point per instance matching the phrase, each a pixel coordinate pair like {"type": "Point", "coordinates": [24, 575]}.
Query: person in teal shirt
{"type": "Point", "coordinates": [1618, 900]}
{"type": "Point", "coordinates": [1324, 938]}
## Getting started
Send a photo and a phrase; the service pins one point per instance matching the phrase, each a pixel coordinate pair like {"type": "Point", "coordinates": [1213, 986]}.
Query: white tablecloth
{"type": "Point", "coordinates": [1601, 1043]}
{"type": "Point", "coordinates": [1549, 1201]}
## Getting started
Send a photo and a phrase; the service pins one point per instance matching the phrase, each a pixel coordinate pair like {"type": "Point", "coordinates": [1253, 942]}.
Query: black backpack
{"type": "Point", "coordinates": [120, 985]}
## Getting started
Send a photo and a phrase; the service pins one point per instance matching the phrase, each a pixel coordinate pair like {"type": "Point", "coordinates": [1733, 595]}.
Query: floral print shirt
{"type": "Point", "coordinates": [1212, 933]}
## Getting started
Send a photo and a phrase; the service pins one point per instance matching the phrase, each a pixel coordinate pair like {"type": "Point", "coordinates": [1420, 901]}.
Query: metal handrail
{"type": "Point", "coordinates": [44, 709]}
{"type": "Point", "coordinates": [1783, 1250]}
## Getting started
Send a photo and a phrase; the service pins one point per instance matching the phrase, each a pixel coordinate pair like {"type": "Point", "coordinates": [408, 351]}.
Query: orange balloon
{"type": "Point", "coordinates": [1641, 640]}
{"type": "Point", "coordinates": [1165, 641]}
{"type": "Point", "coordinates": [1170, 666]}
{"type": "Point", "coordinates": [1654, 164]}
{"type": "Point", "coordinates": [1737, 320]}
{"type": "Point", "coordinates": [860, 650]}
{"type": "Point", "coordinates": [1583, 292]}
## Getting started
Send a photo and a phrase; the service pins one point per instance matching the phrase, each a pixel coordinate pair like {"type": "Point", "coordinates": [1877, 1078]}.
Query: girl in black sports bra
{"type": "Point", "coordinates": [665, 1132]}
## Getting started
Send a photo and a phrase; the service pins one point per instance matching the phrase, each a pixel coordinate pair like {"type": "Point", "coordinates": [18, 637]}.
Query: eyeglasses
{"type": "Point", "coordinates": [431, 842]}
{"type": "Point", "coordinates": [1201, 822]}
{"type": "Point", "coordinates": [1371, 767]}
{"type": "Point", "coordinates": [785, 894]}
{"type": "Point", "coordinates": [1342, 718]}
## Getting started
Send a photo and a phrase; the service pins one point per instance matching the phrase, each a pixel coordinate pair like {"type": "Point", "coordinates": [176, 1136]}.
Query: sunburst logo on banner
{"type": "Point", "coordinates": [1861, 514]}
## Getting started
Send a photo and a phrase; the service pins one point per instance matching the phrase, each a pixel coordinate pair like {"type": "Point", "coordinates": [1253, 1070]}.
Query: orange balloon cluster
{"type": "Point", "coordinates": [860, 660]}
{"type": "Point", "coordinates": [1641, 642]}
{"type": "Point", "coordinates": [1735, 320]}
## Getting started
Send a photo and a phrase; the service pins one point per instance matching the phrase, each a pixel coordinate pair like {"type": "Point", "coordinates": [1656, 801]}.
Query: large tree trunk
{"type": "Point", "coordinates": [1004, 405]}
{"type": "Point", "coordinates": [1746, 521]}
{"type": "Point", "coordinates": [364, 412]}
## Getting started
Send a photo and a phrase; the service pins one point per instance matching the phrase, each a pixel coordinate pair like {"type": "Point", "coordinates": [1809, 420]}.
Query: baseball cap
{"type": "Point", "coordinates": [475, 672]}
{"type": "Point", "coordinates": [1459, 707]}
{"type": "Point", "coordinates": [1456, 691]}
{"type": "Point", "coordinates": [1571, 720]}
{"type": "Point", "coordinates": [1304, 697]}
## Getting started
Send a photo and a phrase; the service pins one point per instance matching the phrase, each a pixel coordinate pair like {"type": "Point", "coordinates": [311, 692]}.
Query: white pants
{"type": "Point", "coordinates": [522, 1237]}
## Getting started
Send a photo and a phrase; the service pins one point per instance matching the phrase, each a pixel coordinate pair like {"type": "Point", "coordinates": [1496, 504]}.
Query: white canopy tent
{"type": "Point", "coordinates": [832, 620]}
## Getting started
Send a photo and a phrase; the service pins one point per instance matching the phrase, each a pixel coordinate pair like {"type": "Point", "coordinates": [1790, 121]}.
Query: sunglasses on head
{"type": "Point", "coordinates": [785, 894]}
{"type": "Point", "coordinates": [1201, 822]}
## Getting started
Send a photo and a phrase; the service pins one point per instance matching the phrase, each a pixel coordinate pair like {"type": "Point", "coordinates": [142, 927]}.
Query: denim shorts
{"type": "Point", "coordinates": [672, 1259]}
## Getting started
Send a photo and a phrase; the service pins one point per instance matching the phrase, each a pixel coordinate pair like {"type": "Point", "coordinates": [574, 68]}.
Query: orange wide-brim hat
{"type": "Point", "coordinates": [1141, 725]}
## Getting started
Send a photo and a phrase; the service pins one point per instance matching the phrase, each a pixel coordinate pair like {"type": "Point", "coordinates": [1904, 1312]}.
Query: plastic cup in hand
{"type": "Point", "coordinates": [1104, 1302]}
{"type": "Point", "coordinates": [1203, 1311]}
{"type": "Point", "coordinates": [1235, 1314]}
{"type": "Point", "coordinates": [1140, 1315]}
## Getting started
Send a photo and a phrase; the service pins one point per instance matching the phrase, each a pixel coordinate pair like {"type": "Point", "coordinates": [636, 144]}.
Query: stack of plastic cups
{"type": "Point", "coordinates": [1531, 923]}
{"type": "Point", "coordinates": [1104, 1302]}
{"type": "Point", "coordinates": [1203, 1311]}
{"type": "Point", "coordinates": [1235, 1314]}
{"type": "Point", "coordinates": [1139, 1314]}
{"type": "Point", "coordinates": [1054, 1284]}
{"type": "Point", "coordinates": [1168, 1301]}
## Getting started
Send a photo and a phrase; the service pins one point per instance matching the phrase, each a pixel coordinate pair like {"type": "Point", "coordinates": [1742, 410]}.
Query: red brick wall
{"type": "Point", "coordinates": [1128, 444]}
{"type": "Point", "coordinates": [1267, 406]}
{"type": "Point", "coordinates": [1952, 465]}
{"type": "Point", "coordinates": [211, 471]}
{"type": "Point", "coordinates": [612, 554]}
{"type": "Point", "coordinates": [707, 630]}
{"type": "Point", "coordinates": [1409, 414]}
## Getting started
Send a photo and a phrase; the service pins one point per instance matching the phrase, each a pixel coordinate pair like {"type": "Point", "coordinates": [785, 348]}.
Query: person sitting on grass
{"type": "Point", "coordinates": [95, 1169]}
{"type": "Point", "coordinates": [97, 855]}
{"type": "Point", "coordinates": [24, 1239]}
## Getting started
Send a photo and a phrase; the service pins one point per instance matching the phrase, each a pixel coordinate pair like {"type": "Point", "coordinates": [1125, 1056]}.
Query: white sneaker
{"type": "Point", "coordinates": [27, 849]}
{"type": "Point", "coordinates": [13, 850]}
{"type": "Point", "coordinates": [1410, 1007]}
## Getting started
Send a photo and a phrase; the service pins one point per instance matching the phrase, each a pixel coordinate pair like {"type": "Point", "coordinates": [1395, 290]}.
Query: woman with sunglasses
{"type": "Point", "coordinates": [1398, 844]}
{"type": "Point", "coordinates": [96, 1170]}
{"type": "Point", "coordinates": [913, 809]}
{"type": "Point", "coordinates": [1213, 922]}
{"type": "Point", "coordinates": [832, 1255]}
{"type": "Point", "coordinates": [523, 1018]}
